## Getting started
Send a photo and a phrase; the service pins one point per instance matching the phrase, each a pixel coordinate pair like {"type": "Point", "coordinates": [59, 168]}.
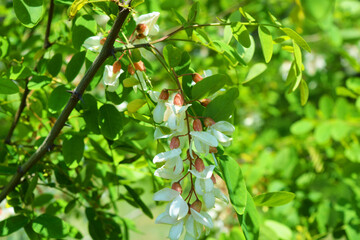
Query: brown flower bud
{"type": "Point", "coordinates": [164, 95]}
{"type": "Point", "coordinates": [102, 41]}
{"type": "Point", "coordinates": [213, 179]}
{"type": "Point", "coordinates": [199, 165]}
{"type": "Point", "coordinates": [208, 122]}
{"type": "Point", "coordinates": [139, 66]}
{"type": "Point", "coordinates": [175, 143]}
{"type": "Point", "coordinates": [177, 187]}
{"type": "Point", "coordinates": [116, 66]}
{"type": "Point", "coordinates": [196, 205]}
{"type": "Point", "coordinates": [197, 77]}
{"type": "Point", "coordinates": [213, 149]}
{"type": "Point", "coordinates": [179, 100]}
{"type": "Point", "coordinates": [141, 28]}
{"type": "Point", "coordinates": [140, 36]}
{"type": "Point", "coordinates": [197, 125]}
{"type": "Point", "coordinates": [205, 101]}
{"type": "Point", "coordinates": [131, 69]}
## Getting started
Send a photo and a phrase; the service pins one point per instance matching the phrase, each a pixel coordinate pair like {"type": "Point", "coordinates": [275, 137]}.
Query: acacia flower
{"type": "Point", "coordinates": [220, 130]}
{"type": "Point", "coordinates": [148, 24]}
{"type": "Point", "coordinates": [94, 43]}
{"type": "Point", "coordinates": [173, 166]}
{"type": "Point", "coordinates": [111, 79]}
{"type": "Point", "coordinates": [203, 141]}
{"type": "Point", "coordinates": [195, 224]}
{"type": "Point", "coordinates": [175, 113]}
{"type": "Point", "coordinates": [160, 98]}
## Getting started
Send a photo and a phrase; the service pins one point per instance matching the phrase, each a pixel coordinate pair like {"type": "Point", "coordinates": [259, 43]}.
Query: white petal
{"type": "Point", "coordinates": [176, 230]}
{"type": "Point", "coordinates": [159, 112]}
{"type": "Point", "coordinates": [208, 171]}
{"type": "Point", "coordinates": [93, 43]}
{"type": "Point", "coordinates": [222, 138]}
{"type": "Point", "coordinates": [165, 218]}
{"type": "Point", "coordinates": [219, 195]}
{"type": "Point", "coordinates": [224, 127]}
{"type": "Point", "coordinates": [209, 200]}
{"type": "Point", "coordinates": [161, 157]}
{"type": "Point", "coordinates": [205, 137]}
{"type": "Point", "coordinates": [166, 194]}
{"type": "Point", "coordinates": [200, 146]}
{"type": "Point", "coordinates": [198, 188]}
{"type": "Point", "coordinates": [172, 121]}
{"type": "Point", "coordinates": [166, 173]}
{"type": "Point", "coordinates": [200, 218]}
{"type": "Point", "coordinates": [154, 95]}
{"type": "Point", "coordinates": [178, 208]}
{"type": "Point", "coordinates": [159, 134]}
{"type": "Point", "coordinates": [208, 185]}
{"type": "Point", "coordinates": [189, 237]}
{"type": "Point", "coordinates": [190, 226]}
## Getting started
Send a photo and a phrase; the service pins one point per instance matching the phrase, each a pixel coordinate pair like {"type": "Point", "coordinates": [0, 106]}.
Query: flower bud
{"type": "Point", "coordinates": [177, 187]}
{"type": "Point", "coordinates": [213, 179]}
{"type": "Point", "coordinates": [141, 28]}
{"type": "Point", "coordinates": [197, 126]}
{"type": "Point", "coordinates": [197, 77]}
{"type": "Point", "coordinates": [116, 67]}
{"type": "Point", "coordinates": [205, 102]}
{"type": "Point", "coordinates": [139, 66]}
{"type": "Point", "coordinates": [175, 143]}
{"type": "Point", "coordinates": [213, 149]}
{"type": "Point", "coordinates": [164, 95]}
{"type": "Point", "coordinates": [131, 69]}
{"type": "Point", "coordinates": [196, 205]}
{"type": "Point", "coordinates": [140, 36]}
{"type": "Point", "coordinates": [179, 100]}
{"type": "Point", "coordinates": [102, 41]}
{"type": "Point", "coordinates": [199, 165]}
{"type": "Point", "coordinates": [208, 122]}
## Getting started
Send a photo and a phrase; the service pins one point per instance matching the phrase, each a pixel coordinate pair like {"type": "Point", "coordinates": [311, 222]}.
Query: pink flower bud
{"type": "Point", "coordinates": [197, 125]}
{"type": "Point", "coordinates": [196, 205]}
{"type": "Point", "coordinates": [116, 67]}
{"type": "Point", "coordinates": [177, 187]}
{"type": "Point", "coordinates": [131, 69]}
{"type": "Point", "coordinates": [208, 122]}
{"type": "Point", "coordinates": [139, 66]}
{"type": "Point", "coordinates": [175, 143]}
{"type": "Point", "coordinates": [164, 95]}
{"type": "Point", "coordinates": [199, 165]}
{"type": "Point", "coordinates": [213, 149]}
{"type": "Point", "coordinates": [213, 179]}
{"type": "Point", "coordinates": [102, 41]}
{"type": "Point", "coordinates": [205, 102]}
{"type": "Point", "coordinates": [141, 28]}
{"type": "Point", "coordinates": [179, 100]}
{"type": "Point", "coordinates": [197, 77]}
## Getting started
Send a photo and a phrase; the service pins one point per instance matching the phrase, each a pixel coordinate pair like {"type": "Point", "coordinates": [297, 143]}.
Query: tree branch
{"type": "Point", "coordinates": [80, 89]}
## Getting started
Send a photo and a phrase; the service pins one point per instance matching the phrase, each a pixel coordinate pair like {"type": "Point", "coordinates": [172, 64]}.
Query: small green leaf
{"type": "Point", "coordinates": [249, 221]}
{"type": "Point", "coordinates": [135, 105]}
{"type": "Point", "coordinates": [297, 38]}
{"type": "Point", "coordinates": [130, 82]}
{"type": "Point", "coordinates": [298, 57]}
{"type": "Point", "coordinates": [73, 149]}
{"type": "Point", "coordinates": [136, 55]}
{"type": "Point", "coordinates": [4, 46]}
{"type": "Point", "coordinates": [138, 200]}
{"type": "Point", "coordinates": [241, 34]}
{"type": "Point", "coordinates": [246, 15]}
{"type": "Point", "coordinates": [74, 66]}
{"type": "Point", "coordinates": [110, 121]}
{"type": "Point", "coordinates": [222, 107]}
{"type": "Point", "coordinates": [209, 85]}
{"type": "Point", "coordinates": [42, 199]}
{"type": "Point", "coordinates": [54, 65]}
{"type": "Point", "coordinates": [76, 6]}
{"type": "Point", "coordinates": [301, 127]}
{"type": "Point", "coordinates": [266, 42]}
{"type": "Point", "coordinates": [70, 206]}
{"type": "Point", "coordinates": [85, 26]}
{"type": "Point", "coordinates": [193, 12]}
{"type": "Point", "coordinates": [29, 12]}
{"type": "Point", "coordinates": [91, 113]}
{"type": "Point", "coordinates": [235, 183]}
{"type": "Point", "coordinates": [12, 224]}
{"type": "Point", "coordinates": [184, 64]}
{"type": "Point", "coordinates": [136, 3]}
{"type": "Point", "coordinates": [37, 82]}
{"type": "Point", "coordinates": [254, 71]}
{"type": "Point", "coordinates": [273, 199]}
{"type": "Point", "coordinates": [58, 98]}
{"type": "Point", "coordinates": [50, 226]}
{"type": "Point", "coordinates": [304, 92]}
{"type": "Point", "coordinates": [7, 86]}
{"type": "Point", "coordinates": [172, 55]}
{"type": "Point", "coordinates": [229, 53]}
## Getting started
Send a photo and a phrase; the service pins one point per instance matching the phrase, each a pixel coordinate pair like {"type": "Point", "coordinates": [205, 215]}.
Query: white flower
{"type": "Point", "coordinates": [220, 130]}
{"type": "Point", "coordinates": [93, 43]}
{"type": "Point", "coordinates": [173, 166]}
{"type": "Point", "coordinates": [150, 21]}
{"type": "Point", "coordinates": [195, 224]}
{"type": "Point", "coordinates": [175, 116]}
{"type": "Point", "coordinates": [111, 79]}
{"type": "Point", "coordinates": [178, 208]}
{"type": "Point", "coordinates": [203, 141]}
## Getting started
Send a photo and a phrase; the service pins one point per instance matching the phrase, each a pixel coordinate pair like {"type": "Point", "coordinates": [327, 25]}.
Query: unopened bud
{"type": "Point", "coordinates": [139, 66]}
{"type": "Point", "coordinates": [197, 125]}
{"type": "Point", "coordinates": [131, 69]}
{"type": "Point", "coordinates": [197, 77]}
{"type": "Point", "coordinates": [179, 100]}
{"type": "Point", "coordinates": [205, 101]}
{"type": "Point", "coordinates": [116, 67]}
{"type": "Point", "coordinates": [177, 187]}
{"type": "Point", "coordinates": [213, 149]}
{"type": "Point", "coordinates": [175, 143]}
{"type": "Point", "coordinates": [208, 122]}
{"type": "Point", "coordinates": [141, 28]}
{"type": "Point", "coordinates": [213, 179]}
{"type": "Point", "coordinates": [164, 95]}
{"type": "Point", "coordinates": [196, 205]}
{"type": "Point", "coordinates": [199, 165]}
{"type": "Point", "coordinates": [102, 41]}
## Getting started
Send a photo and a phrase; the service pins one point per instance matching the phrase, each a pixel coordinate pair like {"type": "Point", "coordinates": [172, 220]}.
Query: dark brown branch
{"type": "Point", "coordinates": [48, 142]}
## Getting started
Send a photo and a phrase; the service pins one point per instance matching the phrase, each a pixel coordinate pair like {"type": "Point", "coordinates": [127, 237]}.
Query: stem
{"type": "Point", "coordinates": [48, 142]}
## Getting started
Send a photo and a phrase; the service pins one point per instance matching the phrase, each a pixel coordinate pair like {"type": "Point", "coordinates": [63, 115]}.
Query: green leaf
{"type": "Point", "coordinates": [43, 199]}
{"type": "Point", "coordinates": [138, 200]}
{"type": "Point", "coordinates": [130, 82]}
{"type": "Point", "coordinates": [229, 53]}
{"type": "Point", "coordinates": [298, 57]}
{"type": "Point", "coordinates": [297, 38]}
{"type": "Point", "coordinates": [73, 149]}
{"type": "Point", "coordinates": [266, 42]}
{"type": "Point", "coordinates": [235, 183]}
{"type": "Point", "coordinates": [273, 199]}
{"type": "Point", "coordinates": [12, 224]}
{"type": "Point", "coordinates": [322, 133]}
{"type": "Point", "coordinates": [74, 66]}
{"type": "Point", "coordinates": [110, 121]}
{"type": "Point", "coordinates": [4, 46]}
{"type": "Point", "coordinates": [58, 98]}
{"type": "Point", "coordinates": [85, 26]}
{"type": "Point", "coordinates": [29, 12]}
{"type": "Point", "coordinates": [304, 92]}
{"type": "Point", "coordinates": [91, 113]}
{"type": "Point", "coordinates": [193, 12]}
{"type": "Point", "coordinates": [184, 64]}
{"type": "Point", "coordinates": [254, 71]}
{"type": "Point", "coordinates": [135, 105]}
{"type": "Point", "coordinates": [136, 3]}
{"type": "Point", "coordinates": [246, 15]}
{"type": "Point", "coordinates": [222, 106]}
{"type": "Point", "coordinates": [54, 65]}
{"type": "Point", "coordinates": [302, 126]}
{"type": "Point", "coordinates": [37, 82]}
{"type": "Point", "coordinates": [136, 55]}
{"type": "Point", "coordinates": [353, 84]}
{"type": "Point", "coordinates": [172, 55]}
{"type": "Point", "coordinates": [281, 230]}
{"type": "Point", "coordinates": [209, 85]}
{"type": "Point", "coordinates": [7, 86]}
{"type": "Point", "coordinates": [70, 206]}
{"type": "Point", "coordinates": [76, 6]}
{"type": "Point", "coordinates": [241, 34]}
{"type": "Point", "coordinates": [249, 221]}
{"type": "Point", "coordinates": [50, 226]}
